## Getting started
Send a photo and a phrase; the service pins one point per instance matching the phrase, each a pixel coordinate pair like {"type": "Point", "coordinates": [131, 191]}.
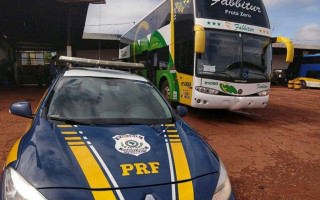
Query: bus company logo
{"type": "Point", "coordinates": [131, 144]}
{"type": "Point", "coordinates": [243, 28]}
{"type": "Point", "coordinates": [211, 83]}
{"type": "Point", "coordinates": [154, 44]}
{"type": "Point", "coordinates": [228, 25]}
{"type": "Point", "coordinates": [238, 4]}
{"type": "Point", "coordinates": [227, 88]}
{"type": "Point", "coordinates": [180, 6]}
{"type": "Point", "coordinates": [261, 86]}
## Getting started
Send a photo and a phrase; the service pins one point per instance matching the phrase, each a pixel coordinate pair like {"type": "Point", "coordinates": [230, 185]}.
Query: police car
{"type": "Point", "coordinates": [107, 134]}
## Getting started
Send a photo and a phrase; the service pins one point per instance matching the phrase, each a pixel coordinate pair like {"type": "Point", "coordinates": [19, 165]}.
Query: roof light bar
{"type": "Point", "coordinates": [102, 63]}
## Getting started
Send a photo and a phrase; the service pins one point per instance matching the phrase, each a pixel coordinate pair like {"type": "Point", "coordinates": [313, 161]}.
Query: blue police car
{"type": "Point", "coordinates": [107, 134]}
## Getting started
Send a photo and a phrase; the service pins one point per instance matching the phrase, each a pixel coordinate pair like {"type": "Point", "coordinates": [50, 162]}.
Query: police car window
{"type": "Point", "coordinates": [107, 101]}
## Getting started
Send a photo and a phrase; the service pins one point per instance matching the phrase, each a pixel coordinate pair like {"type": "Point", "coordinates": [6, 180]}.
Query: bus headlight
{"type": "Point", "coordinates": [263, 93]}
{"type": "Point", "coordinates": [223, 189]}
{"type": "Point", "coordinates": [16, 187]}
{"type": "Point", "coordinates": [207, 90]}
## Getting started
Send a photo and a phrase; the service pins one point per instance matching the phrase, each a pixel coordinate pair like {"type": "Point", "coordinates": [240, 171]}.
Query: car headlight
{"type": "Point", "coordinates": [223, 189]}
{"type": "Point", "coordinates": [207, 90]}
{"type": "Point", "coordinates": [17, 188]}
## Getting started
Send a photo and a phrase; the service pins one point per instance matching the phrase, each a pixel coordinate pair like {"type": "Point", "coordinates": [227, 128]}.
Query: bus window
{"type": "Point", "coordinates": [163, 57]}
{"type": "Point", "coordinates": [313, 74]}
{"type": "Point", "coordinates": [184, 57]}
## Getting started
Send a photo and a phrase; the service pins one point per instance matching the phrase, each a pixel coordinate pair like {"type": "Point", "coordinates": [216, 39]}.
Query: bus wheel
{"type": "Point", "coordinates": [303, 84]}
{"type": "Point", "coordinates": [165, 91]}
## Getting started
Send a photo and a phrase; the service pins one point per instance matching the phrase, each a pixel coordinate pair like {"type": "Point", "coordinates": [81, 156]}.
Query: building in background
{"type": "Point", "coordinates": [279, 67]}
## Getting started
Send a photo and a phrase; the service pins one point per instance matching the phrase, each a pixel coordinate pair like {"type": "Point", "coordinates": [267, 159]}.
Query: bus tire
{"type": "Point", "coordinates": [303, 84]}
{"type": "Point", "coordinates": [165, 91]}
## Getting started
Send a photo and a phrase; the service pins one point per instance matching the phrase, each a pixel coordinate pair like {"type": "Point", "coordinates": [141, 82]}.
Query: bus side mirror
{"type": "Point", "coordinates": [200, 39]}
{"type": "Point", "coordinates": [290, 49]}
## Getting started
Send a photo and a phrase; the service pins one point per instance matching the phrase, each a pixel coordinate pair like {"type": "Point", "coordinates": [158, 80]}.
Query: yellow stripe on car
{"type": "Point", "coordinates": [175, 140]}
{"type": "Point", "coordinates": [89, 165]}
{"type": "Point", "coordinates": [75, 143]}
{"type": "Point", "coordinates": [173, 136]}
{"type": "Point", "coordinates": [72, 138]}
{"type": "Point", "coordinates": [45, 94]}
{"type": "Point", "coordinates": [185, 189]}
{"type": "Point", "coordinates": [64, 126]}
{"type": "Point", "coordinates": [92, 172]}
{"type": "Point", "coordinates": [13, 155]}
{"type": "Point", "coordinates": [68, 132]}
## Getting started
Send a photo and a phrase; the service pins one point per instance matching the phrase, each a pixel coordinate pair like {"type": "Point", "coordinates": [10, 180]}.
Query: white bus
{"type": "Point", "coordinates": [211, 54]}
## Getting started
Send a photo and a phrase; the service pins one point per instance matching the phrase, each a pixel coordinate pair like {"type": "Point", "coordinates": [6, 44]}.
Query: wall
{"type": "Point", "coordinates": [279, 62]}
{"type": "Point", "coordinates": [106, 54]}
{"type": "Point", "coordinates": [5, 51]}
{"type": "Point", "coordinates": [7, 69]}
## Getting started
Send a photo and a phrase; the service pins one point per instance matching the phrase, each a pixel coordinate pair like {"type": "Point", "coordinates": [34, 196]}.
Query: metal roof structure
{"type": "Point", "coordinates": [279, 48]}
{"type": "Point", "coordinates": [47, 25]}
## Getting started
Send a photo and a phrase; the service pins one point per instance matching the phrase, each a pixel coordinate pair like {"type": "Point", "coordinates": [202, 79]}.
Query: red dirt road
{"type": "Point", "coordinates": [271, 153]}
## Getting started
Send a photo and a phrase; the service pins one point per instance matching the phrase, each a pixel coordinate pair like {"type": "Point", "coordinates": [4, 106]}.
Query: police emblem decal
{"type": "Point", "coordinates": [131, 144]}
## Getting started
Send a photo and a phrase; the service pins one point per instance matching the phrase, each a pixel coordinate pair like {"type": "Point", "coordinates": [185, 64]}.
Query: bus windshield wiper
{"type": "Point", "coordinates": [68, 121]}
{"type": "Point", "coordinates": [254, 66]}
{"type": "Point", "coordinates": [223, 73]}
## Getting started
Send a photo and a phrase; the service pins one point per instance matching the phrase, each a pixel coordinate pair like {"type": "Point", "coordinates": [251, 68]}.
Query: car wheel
{"type": "Point", "coordinates": [303, 84]}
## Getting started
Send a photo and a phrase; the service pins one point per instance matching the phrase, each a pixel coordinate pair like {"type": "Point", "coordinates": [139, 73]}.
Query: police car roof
{"type": "Point", "coordinates": [105, 73]}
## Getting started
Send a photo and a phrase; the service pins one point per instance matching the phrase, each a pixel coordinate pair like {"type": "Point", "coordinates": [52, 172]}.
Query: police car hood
{"type": "Point", "coordinates": [104, 157]}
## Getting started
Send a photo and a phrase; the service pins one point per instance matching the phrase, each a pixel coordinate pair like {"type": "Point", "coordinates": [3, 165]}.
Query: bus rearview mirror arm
{"type": "Point", "coordinates": [287, 42]}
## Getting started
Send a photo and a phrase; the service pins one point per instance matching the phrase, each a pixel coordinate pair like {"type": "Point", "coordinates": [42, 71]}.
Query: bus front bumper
{"type": "Point", "coordinates": [206, 101]}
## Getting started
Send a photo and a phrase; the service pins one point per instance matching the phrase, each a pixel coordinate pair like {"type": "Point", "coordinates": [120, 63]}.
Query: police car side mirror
{"type": "Point", "coordinates": [182, 111]}
{"type": "Point", "coordinates": [22, 109]}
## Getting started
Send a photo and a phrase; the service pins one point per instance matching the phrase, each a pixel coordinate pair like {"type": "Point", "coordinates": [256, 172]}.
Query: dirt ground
{"type": "Point", "coordinates": [271, 153]}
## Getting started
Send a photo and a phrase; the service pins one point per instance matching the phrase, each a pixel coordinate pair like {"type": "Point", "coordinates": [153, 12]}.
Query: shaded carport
{"type": "Point", "coordinates": [279, 54]}
{"type": "Point", "coordinates": [45, 25]}
{"type": "Point", "coordinates": [279, 66]}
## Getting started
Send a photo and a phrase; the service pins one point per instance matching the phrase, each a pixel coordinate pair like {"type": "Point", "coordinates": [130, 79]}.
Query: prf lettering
{"type": "Point", "coordinates": [140, 168]}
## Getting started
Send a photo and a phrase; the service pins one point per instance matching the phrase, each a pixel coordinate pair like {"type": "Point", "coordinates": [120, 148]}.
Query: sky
{"type": "Point", "coordinates": [298, 20]}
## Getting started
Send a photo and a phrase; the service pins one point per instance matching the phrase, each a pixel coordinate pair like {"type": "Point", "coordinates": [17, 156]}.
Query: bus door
{"type": "Point", "coordinates": [152, 66]}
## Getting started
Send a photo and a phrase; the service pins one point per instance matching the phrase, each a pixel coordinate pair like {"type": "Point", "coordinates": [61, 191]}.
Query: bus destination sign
{"type": "Point", "coordinates": [250, 12]}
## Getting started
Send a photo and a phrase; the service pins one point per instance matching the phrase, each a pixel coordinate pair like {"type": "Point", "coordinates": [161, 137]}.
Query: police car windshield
{"type": "Point", "coordinates": [95, 100]}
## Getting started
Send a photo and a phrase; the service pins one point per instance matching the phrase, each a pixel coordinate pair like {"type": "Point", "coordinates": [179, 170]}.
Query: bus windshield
{"type": "Point", "coordinates": [231, 56]}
